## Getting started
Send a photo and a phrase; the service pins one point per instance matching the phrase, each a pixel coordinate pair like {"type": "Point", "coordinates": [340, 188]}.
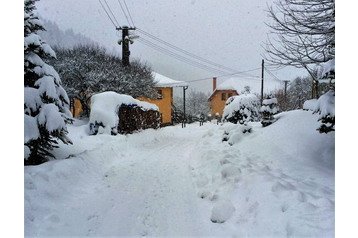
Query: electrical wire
{"type": "Point", "coordinates": [109, 17]}
{"type": "Point", "coordinates": [185, 52]}
{"type": "Point", "coordinates": [227, 75]}
{"type": "Point", "coordinates": [129, 13]}
{"type": "Point", "coordinates": [272, 75]}
{"type": "Point", "coordinates": [124, 13]}
{"type": "Point", "coordinates": [178, 57]}
{"type": "Point", "coordinates": [105, 1]}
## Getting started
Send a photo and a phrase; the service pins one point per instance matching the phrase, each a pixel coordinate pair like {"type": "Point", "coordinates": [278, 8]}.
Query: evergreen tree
{"type": "Point", "coordinates": [326, 103]}
{"type": "Point", "coordinates": [242, 109]}
{"type": "Point", "coordinates": [45, 101]}
{"type": "Point", "coordinates": [269, 109]}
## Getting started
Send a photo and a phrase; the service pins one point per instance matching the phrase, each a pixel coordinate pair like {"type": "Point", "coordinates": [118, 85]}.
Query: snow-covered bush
{"type": "Point", "coordinates": [268, 109]}
{"type": "Point", "coordinates": [327, 72]}
{"type": "Point", "coordinates": [105, 109]}
{"type": "Point", "coordinates": [242, 109]}
{"type": "Point", "coordinates": [310, 105]}
{"type": "Point", "coordinates": [325, 104]}
{"type": "Point", "coordinates": [234, 135]}
{"type": "Point", "coordinates": [326, 109]}
{"type": "Point", "coordinates": [46, 104]}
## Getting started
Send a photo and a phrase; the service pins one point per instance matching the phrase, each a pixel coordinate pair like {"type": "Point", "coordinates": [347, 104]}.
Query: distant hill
{"type": "Point", "coordinates": [57, 37]}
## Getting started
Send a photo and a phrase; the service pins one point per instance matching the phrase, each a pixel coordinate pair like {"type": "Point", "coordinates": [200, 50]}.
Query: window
{"type": "Point", "coordinates": [223, 96]}
{"type": "Point", "coordinates": [160, 94]}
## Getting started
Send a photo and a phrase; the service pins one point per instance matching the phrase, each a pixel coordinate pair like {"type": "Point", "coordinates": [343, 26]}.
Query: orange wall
{"type": "Point", "coordinates": [217, 105]}
{"type": "Point", "coordinates": [164, 104]}
{"type": "Point", "coordinates": [77, 108]}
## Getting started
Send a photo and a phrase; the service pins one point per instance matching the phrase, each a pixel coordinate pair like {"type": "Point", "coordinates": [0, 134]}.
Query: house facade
{"type": "Point", "coordinates": [164, 101]}
{"type": "Point", "coordinates": [235, 86]}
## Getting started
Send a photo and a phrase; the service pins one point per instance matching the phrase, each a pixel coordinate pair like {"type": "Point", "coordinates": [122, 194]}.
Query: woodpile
{"type": "Point", "coordinates": [133, 118]}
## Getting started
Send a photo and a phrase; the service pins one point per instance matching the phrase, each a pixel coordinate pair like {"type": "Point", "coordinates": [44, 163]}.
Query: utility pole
{"type": "Point", "coordinates": [184, 118]}
{"type": "Point", "coordinates": [286, 82]}
{"type": "Point", "coordinates": [126, 39]}
{"type": "Point", "coordinates": [262, 80]}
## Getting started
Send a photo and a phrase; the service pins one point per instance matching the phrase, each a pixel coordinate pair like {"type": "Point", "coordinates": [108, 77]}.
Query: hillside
{"type": "Point", "coordinates": [57, 37]}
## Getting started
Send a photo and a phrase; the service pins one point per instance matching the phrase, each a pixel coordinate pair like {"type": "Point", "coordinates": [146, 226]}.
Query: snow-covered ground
{"type": "Point", "coordinates": [277, 181]}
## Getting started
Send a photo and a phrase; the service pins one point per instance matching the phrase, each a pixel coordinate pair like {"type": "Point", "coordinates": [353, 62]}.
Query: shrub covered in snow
{"type": "Point", "coordinates": [328, 71]}
{"type": "Point", "coordinates": [46, 104]}
{"type": "Point", "coordinates": [234, 135]}
{"type": "Point", "coordinates": [310, 105]}
{"type": "Point", "coordinates": [242, 109]}
{"type": "Point", "coordinates": [326, 109]}
{"type": "Point", "coordinates": [105, 109]}
{"type": "Point", "coordinates": [268, 109]}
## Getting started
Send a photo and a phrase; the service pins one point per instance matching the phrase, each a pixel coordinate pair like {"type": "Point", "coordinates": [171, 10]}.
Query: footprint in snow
{"type": "Point", "coordinates": [230, 171]}
{"type": "Point", "coordinates": [224, 161]}
{"type": "Point", "coordinates": [284, 207]}
{"type": "Point", "coordinates": [222, 211]}
{"type": "Point", "coordinates": [282, 187]}
{"type": "Point", "coordinates": [301, 197]}
{"type": "Point", "coordinates": [54, 218]}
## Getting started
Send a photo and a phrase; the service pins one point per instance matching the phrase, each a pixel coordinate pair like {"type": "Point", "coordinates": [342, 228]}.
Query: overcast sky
{"type": "Point", "coordinates": [228, 32]}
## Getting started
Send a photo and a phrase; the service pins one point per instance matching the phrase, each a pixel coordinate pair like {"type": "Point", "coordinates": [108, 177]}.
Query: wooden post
{"type": "Point", "coordinates": [262, 80]}
{"type": "Point", "coordinates": [125, 44]}
{"type": "Point", "coordinates": [184, 119]}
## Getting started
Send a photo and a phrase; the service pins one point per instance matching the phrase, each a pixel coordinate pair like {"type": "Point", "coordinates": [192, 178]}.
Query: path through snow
{"type": "Point", "coordinates": [186, 182]}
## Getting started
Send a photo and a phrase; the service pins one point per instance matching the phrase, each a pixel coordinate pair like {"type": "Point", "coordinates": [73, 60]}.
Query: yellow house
{"type": "Point", "coordinates": [235, 86]}
{"type": "Point", "coordinates": [218, 98]}
{"type": "Point", "coordinates": [164, 101]}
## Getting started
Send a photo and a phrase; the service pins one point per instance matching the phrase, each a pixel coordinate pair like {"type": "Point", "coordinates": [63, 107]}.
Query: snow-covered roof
{"type": "Point", "coordinates": [163, 81]}
{"type": "Point", "coordinates": [239, 85]}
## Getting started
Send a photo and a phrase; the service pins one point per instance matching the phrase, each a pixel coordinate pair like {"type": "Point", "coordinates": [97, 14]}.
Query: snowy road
{"type": "Point", "coordinates": [173, 181]}
{"type": "Point", "coordinates": [140, 187]}
{"type": "Point", "coordinates": [153, 194]}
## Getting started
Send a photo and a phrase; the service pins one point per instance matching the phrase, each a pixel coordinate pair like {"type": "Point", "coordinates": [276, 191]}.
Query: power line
{"type": "Point", "coordinates": [120, 4]}
{"type": "Point", "coordinates": [129, 13]}
{"type": "Point", "coordinates": [226, 75]}
{"type": "Point", "coordinates": [109, 17]}
{"type": "Point", "coordinates": [173, 54]}
{"type": "Point", "coordinates": [176, 56]}
{"type": "Point", "coordinates": [185, 52]}
{"type": "Point", "coordinates": [105, 1]}
{"type": "Point", "coordinates": [272, 75]}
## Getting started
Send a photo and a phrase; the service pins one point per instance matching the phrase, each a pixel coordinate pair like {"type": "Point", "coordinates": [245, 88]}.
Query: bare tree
{"type": "Point", "coordinates": [302, 34]}
{"type": "Point", "coordinates": [196, 105]}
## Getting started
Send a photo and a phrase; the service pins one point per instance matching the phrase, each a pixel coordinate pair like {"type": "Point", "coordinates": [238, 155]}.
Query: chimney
{"type": "Point", "coordinates": [214, 83]}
